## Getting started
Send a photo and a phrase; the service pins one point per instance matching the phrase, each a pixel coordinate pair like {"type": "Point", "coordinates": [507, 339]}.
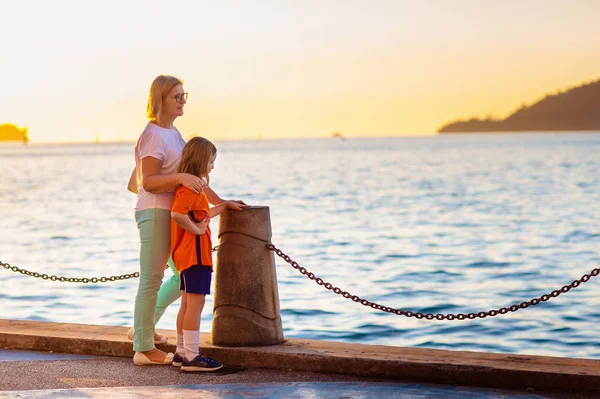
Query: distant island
{"type": "Point", "coordinates": [9, 132]}
{"type": "Point", "coordinates": [577, 108]}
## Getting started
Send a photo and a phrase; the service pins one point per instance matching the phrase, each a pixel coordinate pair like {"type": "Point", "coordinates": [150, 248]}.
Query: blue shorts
{"type": "Point", "coordinates": [196, 280]}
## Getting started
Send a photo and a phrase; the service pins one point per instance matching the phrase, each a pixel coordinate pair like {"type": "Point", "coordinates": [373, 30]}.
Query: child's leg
{"type": "Point", "coordinates": [196, 283]}
{"type": "Point", "coordinates": [180, 317]}
{"type": "Point", "coordinates": [191, 324]}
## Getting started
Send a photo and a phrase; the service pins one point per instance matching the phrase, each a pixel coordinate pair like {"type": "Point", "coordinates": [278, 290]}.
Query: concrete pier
{"type": "Point", "coordinates": [494, 370]}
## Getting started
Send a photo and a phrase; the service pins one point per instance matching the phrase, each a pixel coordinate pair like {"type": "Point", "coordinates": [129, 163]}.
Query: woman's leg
{"type": "Point", "coordinates": [169, 292]}
{"type": "Point", "coordinates": [155, 229]}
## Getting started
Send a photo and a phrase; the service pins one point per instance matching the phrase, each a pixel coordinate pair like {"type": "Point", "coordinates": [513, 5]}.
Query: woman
{"type": "Point", "coordinates": [157, 156]}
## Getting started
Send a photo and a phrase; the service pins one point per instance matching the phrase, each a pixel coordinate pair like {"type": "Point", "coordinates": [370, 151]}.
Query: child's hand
{"type": "Point", "coordinates": [237, 205]}
{"type": "Point", "coordinates": [201, 225]}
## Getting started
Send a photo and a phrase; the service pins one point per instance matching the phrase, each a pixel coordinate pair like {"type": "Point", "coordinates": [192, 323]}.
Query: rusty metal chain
{"type": "Point", "coordinates": [85, 280]}
{"type": "Point", "coordinates": [431, 316]}
{"type": "Point", "coordinates": [51, 277]}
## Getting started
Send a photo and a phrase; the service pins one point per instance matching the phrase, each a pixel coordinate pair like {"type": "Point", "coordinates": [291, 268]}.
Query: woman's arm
{"type": "Point", "coordinates": [155, 183]}
{"type": "Point", "coordinates": [185, 223]}
{"type": "Point", "coordinates": [132, 185]}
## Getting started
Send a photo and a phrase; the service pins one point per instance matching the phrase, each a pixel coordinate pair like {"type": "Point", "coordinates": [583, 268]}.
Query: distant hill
{"type": "Point", "coordinates": [577, 108]}
{"type": "Point", "coordinates": [9, 132]}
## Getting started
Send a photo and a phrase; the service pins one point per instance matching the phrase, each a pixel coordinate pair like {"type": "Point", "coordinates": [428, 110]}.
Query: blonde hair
{"type": "Point", "coordinates": [159, 88]}
{"type": "Point", "coordinates": [195, 156]}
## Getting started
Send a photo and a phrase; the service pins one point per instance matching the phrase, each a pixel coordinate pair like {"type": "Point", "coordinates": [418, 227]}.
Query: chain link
{"type": "Point", "coordinates": [85, 280]}
{"type": "Point", "coordinates": [62, 279]}
{"type": "Point", "coordinates": [407, 313]}
{"type": "Point", "coordinates": [434, 316]}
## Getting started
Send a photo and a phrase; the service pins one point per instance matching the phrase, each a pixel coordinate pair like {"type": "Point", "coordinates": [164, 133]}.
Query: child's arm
{"type": "Point", "coordinates": [216, 210]}
{"type": "Point", "coordinates": [185, 223]}
{"type": "Point", "coordinates": [214, 199]}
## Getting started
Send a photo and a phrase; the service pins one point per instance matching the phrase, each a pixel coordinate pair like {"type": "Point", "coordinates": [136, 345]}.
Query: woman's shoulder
{"type": "Point", "coordinates": [150, 141]}
{"type": "Point", "coordinates": [152, 129]}
{"type": "Point", "coordinates": [168, 136]}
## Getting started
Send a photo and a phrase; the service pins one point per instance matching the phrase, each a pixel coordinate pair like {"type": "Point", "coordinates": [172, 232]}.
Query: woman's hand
{"type": "Point", "coordinates": [192, 182]}
{"type": "Point", "coordinates": [202, 225]}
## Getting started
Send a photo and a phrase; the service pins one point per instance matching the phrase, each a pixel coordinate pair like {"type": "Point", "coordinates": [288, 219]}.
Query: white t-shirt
{"type": "Point", "coordinates": [165, 145]}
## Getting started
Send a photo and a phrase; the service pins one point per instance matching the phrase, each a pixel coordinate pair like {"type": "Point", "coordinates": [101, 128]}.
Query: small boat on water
{"type": "Point", "coordinates": [338, 135]}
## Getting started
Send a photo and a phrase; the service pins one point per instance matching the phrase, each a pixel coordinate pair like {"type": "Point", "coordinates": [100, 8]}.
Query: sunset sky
{"type": "Point", "coordinates": [287, 68]}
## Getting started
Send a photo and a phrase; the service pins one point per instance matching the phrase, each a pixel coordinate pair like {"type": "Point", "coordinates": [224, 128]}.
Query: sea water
{"type": "Point", "coordinates": [437, 224]}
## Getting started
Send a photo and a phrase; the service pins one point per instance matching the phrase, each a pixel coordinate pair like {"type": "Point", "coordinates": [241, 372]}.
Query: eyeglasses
{"type": "Point", "coordinates": [181, 96]}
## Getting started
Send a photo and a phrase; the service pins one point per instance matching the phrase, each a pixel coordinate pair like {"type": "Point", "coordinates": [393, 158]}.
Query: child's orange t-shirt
{"type": "Point", "coordinates": [188, 249]}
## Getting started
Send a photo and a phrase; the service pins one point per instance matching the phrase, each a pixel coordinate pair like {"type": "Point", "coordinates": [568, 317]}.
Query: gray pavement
{"type": "Point", "coordinates": [277, 390]}
{"type": "Point", "coordinates": [26, 374]}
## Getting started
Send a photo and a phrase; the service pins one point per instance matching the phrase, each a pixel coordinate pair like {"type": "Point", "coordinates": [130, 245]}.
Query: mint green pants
{"type": "Point", "coordinates": [153, 295]}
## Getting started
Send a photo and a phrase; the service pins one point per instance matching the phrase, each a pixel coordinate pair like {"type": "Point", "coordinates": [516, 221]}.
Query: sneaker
{"type": "Point", "coordinates": [177, 360]}
{"type": "Point", "coordinates": [200, 363]}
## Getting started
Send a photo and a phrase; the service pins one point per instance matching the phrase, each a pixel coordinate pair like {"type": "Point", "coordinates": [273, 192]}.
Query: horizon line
{"type": "Point", "coordinates": [342, 137]}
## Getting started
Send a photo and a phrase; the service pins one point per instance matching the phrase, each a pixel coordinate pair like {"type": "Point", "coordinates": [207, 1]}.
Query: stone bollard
{"type": "Point", "coordinates": [246, 307]}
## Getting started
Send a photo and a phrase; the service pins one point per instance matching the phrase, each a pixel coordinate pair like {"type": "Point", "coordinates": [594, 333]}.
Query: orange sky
{"type": "Point", "coordinates": [287, 69]}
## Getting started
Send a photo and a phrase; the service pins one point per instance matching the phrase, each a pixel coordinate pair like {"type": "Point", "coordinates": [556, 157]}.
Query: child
{"type": "Point", "coordinates": [191, 249]}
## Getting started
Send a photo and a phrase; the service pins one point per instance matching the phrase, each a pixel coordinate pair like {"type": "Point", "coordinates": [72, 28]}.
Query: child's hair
{"type": "Point", "coordinates": [195, 157]}
{"type": "Point", "coordinates": [160, 87]}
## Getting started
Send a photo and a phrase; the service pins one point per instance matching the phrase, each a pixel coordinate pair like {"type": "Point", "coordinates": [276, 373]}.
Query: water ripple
{"type": "Point", "coordinates": [443, 224]}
